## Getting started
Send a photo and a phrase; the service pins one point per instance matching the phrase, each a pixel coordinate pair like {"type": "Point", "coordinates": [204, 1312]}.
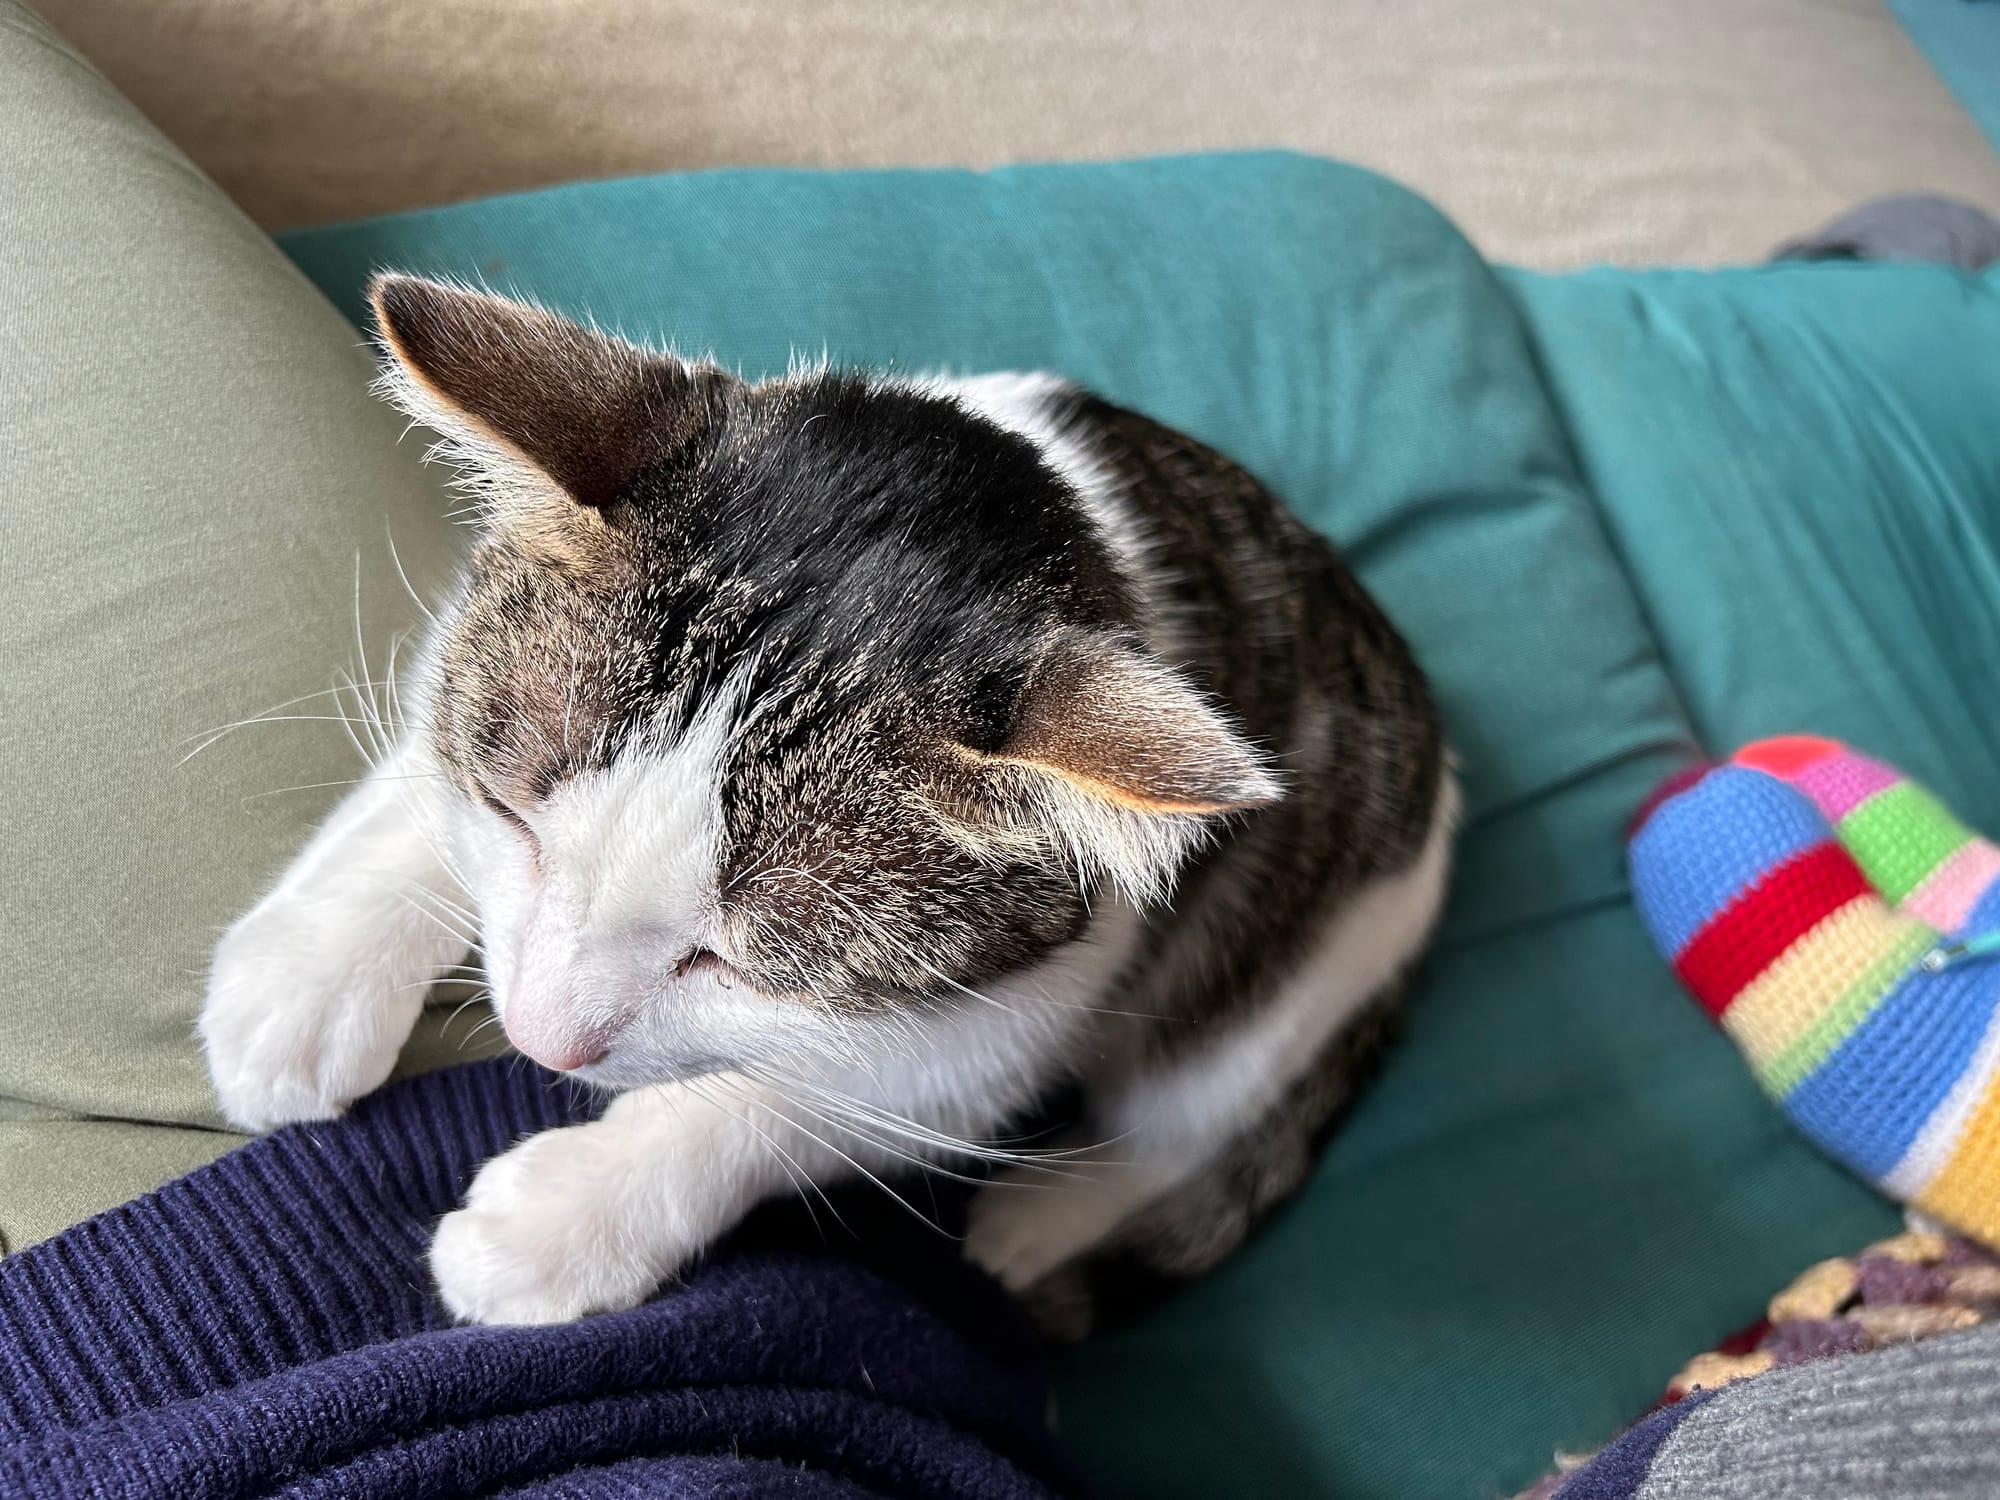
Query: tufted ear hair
{"type": "Point", "coordinates": [1127, 764]}
{"type": "Point", "coordinates": [544, 416]}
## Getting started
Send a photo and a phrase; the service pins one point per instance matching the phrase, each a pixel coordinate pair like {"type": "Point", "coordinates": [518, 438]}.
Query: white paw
{"type": "Point", "coordinates": [1025, 1222]}
{"type": "Point", "coordinates": [551, 1231]}
{"type": "Point", "coordinates": [305, 1014]}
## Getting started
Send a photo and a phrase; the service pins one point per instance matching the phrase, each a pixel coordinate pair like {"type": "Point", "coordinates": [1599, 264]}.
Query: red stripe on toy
{"type": "Point", "coordinates": [1748, 935]}
{"type": "Point", "coordinates": [1785, 755]}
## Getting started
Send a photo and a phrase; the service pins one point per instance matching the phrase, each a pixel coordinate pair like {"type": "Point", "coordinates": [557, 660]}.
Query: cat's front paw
{"type": "Point", "coordinates": [548, 1234]}
{"type": "Point", "coordinates": [302, 1017]}
{"type": "Point", "coordinates": [1028, 1221]}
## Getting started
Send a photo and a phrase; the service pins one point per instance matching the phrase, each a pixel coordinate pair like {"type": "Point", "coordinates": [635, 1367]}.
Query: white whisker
{"type": "Point", "coordinates": [314, 786]}
{"type": "Point", "coordinates": [813, 1135]}
{"type": "Point", "coordinates": [397, 559]}
{"type": "Point", "coordinates": [800, 1178]}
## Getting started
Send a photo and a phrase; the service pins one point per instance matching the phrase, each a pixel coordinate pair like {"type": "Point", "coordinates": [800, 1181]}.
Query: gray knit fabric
{"type": "Point", "coordinates": [1917, 1422]}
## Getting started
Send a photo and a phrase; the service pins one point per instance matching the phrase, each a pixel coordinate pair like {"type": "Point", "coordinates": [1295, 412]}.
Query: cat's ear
{"type": "Point", "coordinates": [540, 411]}
{"type": "Point", "coordinates": [1111, 724]}
{"type": "Point", "coordinates": [1128, 762]}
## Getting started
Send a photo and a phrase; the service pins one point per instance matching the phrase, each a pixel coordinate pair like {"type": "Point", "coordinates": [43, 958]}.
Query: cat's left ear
{"type": "Point", "coordinates": [1112, 724]}
{"type": "Point", "coordinates": [547, 414]}
{"type": "Point", "coordinates": [1128, 764]}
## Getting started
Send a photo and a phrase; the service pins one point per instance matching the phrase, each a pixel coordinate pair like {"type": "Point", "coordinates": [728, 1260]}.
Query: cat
{"type": "Point", "coordinates": [835, 768]}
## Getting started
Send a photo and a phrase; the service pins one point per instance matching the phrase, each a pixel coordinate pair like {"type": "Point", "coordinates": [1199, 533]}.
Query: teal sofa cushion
{"type": "Point", "coordinates": [1564, 1182]}
{"type": "Point", "coordinates": [1799, 468]}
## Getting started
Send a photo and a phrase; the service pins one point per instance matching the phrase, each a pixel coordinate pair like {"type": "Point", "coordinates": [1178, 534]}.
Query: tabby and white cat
{"type": "Point", "coordinates": [836, 766]}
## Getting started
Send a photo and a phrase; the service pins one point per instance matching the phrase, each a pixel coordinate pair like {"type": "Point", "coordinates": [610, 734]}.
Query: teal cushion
{"type": "Point", "coordinates": [1799, 468]}
{"type": "Point", "coordinates": [1564, 1183]}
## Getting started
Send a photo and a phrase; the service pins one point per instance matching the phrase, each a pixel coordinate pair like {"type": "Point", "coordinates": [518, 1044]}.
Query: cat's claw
{"type": "Point", "coordinates": [544, 1237]}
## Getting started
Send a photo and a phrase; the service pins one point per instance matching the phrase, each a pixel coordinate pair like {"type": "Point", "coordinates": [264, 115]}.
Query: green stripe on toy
{"type": "Point", "coordinates": [1899, 836]}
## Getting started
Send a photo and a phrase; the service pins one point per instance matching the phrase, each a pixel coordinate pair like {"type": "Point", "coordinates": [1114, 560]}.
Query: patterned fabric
{"type": "Point", "coordinates": [1803, 892]}
{"type": "Point", "coordinates": [1909, 1287]}
{"type": "Point", "coordinates": [1893, 1293]}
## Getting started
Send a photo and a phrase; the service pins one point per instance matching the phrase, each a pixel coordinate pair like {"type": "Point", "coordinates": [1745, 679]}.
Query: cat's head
{"type": "Point", "coordinates": [772, 710]}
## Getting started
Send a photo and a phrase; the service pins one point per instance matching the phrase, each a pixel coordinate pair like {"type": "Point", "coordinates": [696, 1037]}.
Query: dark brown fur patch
{"type": "Point", "coordinates": [1273, 624]}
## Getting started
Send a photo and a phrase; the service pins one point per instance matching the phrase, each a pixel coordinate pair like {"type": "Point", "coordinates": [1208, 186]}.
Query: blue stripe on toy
{"type": "Point", "coordinates": [1984, 916]}
{"type": "Point", "coordinates": [1866, 1103]}
{"type": "Point", "coordinates": [1704, 847]}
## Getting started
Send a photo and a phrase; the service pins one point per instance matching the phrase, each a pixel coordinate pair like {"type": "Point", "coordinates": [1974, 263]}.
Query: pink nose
{"type": "Point", "coordinates": [567, 1061]}
{"type": "Point", "coordinates": [560, 1048]}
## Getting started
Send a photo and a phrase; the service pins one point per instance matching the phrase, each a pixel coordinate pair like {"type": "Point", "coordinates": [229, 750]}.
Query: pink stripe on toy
{"type": "Point", "coordinates": [1841, 783]}
{"type": "Point", "coordinates": [1947, 897]}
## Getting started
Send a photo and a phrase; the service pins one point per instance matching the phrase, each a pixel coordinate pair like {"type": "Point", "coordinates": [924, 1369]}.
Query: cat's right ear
{"type": "Point", "coordinates": [545, 416]}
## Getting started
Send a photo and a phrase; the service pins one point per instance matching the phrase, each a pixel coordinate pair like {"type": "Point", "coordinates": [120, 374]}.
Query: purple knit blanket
{"type": "Point", "coordinates": [266, 1326]}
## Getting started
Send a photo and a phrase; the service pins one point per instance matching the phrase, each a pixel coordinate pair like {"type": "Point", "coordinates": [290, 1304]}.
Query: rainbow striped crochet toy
{"type": "Point", "coordinates": [1844, 929]}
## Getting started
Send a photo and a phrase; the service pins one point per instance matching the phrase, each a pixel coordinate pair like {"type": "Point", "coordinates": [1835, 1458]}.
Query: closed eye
{"type": "Point", "coordinates": [706, 961]}
{"type": "Point", "coordinates": [506, 813]}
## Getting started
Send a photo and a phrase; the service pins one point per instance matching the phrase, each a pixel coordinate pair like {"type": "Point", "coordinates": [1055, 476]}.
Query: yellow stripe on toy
{"type": "Point", "coordinates": [1966, 1193]}
{"type": "Point", "coordinates": [1779, 1008]}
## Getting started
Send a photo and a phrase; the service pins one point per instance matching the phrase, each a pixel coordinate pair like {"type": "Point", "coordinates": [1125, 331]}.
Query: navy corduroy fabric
{"type": "Point", "coordinates": [266, 1325]}
{"type": "Point", "coordinates": [1619, 1470]}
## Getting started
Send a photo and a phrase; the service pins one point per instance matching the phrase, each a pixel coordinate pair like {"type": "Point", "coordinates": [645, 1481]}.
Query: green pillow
{"type": "Point", "coordinates": [196, 493]}
{"type": "Point", "coordinates": [1565, 1183]}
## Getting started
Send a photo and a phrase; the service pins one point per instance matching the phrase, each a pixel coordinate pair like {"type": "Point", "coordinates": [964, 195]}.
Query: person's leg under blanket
{"type": "Point", "coordinates": [266, 1323]}
{"type": "Point", "coordinates": [1917, 1422]}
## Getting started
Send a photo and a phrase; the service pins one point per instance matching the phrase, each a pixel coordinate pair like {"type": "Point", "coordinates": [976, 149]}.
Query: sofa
{"type": "Point", "coordinates": [1628, 518]}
